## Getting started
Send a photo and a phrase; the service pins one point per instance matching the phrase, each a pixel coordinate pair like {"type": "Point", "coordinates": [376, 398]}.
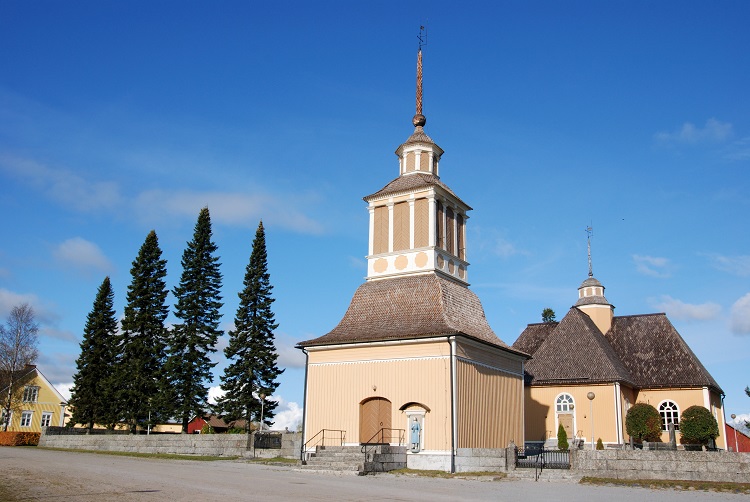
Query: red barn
{"type": "Point", "coordinates": [197, 423]}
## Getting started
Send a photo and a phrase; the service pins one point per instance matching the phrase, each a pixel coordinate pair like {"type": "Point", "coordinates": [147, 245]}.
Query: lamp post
{"type": "Point", "coordinates": [591, 397]}
{"type": "Point", "coordinates": [734, 417]}
{"type": "Point", "coordinates": [262, 403]}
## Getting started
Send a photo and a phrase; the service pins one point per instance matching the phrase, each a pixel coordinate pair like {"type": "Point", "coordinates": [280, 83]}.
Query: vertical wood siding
{"type": "Point", "coordinates": [401, 226]}
{"type": "Point", "coordinates": [490, 407]}
{"type": "Point", "coordinates": [421, 222]}
{"type": "Point", "coordinates": [380, 239]}
{"type": "Point", "coordinates": [335, 391]}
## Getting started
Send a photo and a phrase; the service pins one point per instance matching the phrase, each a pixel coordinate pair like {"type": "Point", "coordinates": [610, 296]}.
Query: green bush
{"type": "Point", "coordinates": [698, 426]}
{"type": "Point", "coordinates": [562, 438]}
{"type": "Point", "coordinates": [599, 444]}
{"type": "Point", "coordinates": [643, 423]}
{"type": "Point", "coordinates": [207, 429]}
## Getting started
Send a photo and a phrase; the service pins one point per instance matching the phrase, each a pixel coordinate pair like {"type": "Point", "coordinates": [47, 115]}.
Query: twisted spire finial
{"type": "Point", "coordinates": [419, 120]}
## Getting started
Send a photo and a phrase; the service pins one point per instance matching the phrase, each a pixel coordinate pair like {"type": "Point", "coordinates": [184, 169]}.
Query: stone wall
{"type": "Point", "coordinates": [672, 465]}
{"type": "Point", "coordinates": [481, 459]}
{"type": "Point", "coordinates": [230, 445]}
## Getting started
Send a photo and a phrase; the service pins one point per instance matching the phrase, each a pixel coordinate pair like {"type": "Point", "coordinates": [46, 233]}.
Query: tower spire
{"type": "Point", "coordinates": [419, 120]}
{"type": "Point", "coordinates": [589, 233]}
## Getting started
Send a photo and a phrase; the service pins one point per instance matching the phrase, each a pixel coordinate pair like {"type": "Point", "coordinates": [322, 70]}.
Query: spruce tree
{"type": "Point", "coordinates": [192, 339]}
{"type": "Point", "coordinates": [253, 371]}
{"type": "Point", "coordinates": [141, 355]}
{"type": "Point", "coordinates": [92, 396]}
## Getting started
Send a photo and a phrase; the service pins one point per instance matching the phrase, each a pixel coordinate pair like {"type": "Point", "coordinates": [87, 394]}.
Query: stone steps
{"type": "Point", "coordinates": [335, 458]}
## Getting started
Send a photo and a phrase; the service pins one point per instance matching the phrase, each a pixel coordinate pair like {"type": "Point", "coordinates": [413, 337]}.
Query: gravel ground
{"type": "Point", "coordinates": [29, 473]}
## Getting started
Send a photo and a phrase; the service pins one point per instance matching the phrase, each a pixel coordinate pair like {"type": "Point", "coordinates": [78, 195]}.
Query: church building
{"type": "Point", "coordinates": [589, 368]}
{"type": "Point", "coordinates": [414, 345]}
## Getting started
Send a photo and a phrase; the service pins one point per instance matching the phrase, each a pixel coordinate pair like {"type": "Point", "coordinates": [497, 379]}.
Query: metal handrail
{"type": "Point", "coordinates": [322, 440]}
{"type": "Point", "coordinates": [368, 445]}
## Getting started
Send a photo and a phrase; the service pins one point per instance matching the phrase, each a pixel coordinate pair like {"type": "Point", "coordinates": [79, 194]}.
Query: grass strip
{"type": "Point", "coordinates": [447, 475]}
{"type": "Point", "coordinates": [274, 460]}
{"type": "Point", "coordinates": [668, 484]}
{"type": "Point", "coordinates": [160, 456]}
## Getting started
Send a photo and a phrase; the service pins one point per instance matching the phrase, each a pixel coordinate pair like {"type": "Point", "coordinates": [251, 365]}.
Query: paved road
{"type": "Point", "coordinates": [28, 474]}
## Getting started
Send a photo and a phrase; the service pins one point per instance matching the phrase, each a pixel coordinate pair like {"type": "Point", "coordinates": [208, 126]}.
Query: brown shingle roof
{"type": "Point", "coordinates": [533, 336]}
{"type": "Point", "coordinates": [417, 306]}
{"type": "Point", "coordinates": [410, 182]}
{"type": "Point", "coordinates": [574, 351]}
{"type": "Point", "coordinates": [655, 353]}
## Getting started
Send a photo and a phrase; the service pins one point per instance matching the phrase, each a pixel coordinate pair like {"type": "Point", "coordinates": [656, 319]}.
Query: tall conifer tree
{"type": "Point", "coordinates": [253, 370]}
{"type": "Point", "coordinates": [92, 397]}
{"type": "Point", "coordinates": [192, 339]}
{"type": "Point", "coordinates": [141, 356]}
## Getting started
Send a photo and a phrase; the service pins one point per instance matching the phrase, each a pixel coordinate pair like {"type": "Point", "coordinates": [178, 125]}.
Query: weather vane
{"type": "Point", "coordinates": [589, 233]}
{"type": "Point", "coordinates": [422, 37]}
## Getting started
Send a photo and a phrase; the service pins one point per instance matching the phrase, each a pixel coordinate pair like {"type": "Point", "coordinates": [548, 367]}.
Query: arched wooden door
{"type": "Point", "coordinates": [374, 414]}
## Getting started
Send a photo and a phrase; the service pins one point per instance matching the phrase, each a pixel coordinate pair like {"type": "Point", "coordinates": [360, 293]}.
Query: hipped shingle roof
{"type": "Point", "coordinates": [406, 307]}
{"type": "Point", "coordinates": [573, 351]}
{"type": "Point", "coordinates": [410, 182]}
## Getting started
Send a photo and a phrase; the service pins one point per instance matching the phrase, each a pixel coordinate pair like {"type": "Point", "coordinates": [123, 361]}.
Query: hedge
{"type": "Point", "coordinates": [19, 438]}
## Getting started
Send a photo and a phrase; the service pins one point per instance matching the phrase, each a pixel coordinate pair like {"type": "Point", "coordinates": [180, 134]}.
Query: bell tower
{"type": "Point", "coordinates": [417, 223]}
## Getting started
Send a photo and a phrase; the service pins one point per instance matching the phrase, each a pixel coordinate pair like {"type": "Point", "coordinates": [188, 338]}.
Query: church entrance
{"type": "Point", "coordinates": [566, 420]}
{"type": "Point", "coordinates": [374, 415]}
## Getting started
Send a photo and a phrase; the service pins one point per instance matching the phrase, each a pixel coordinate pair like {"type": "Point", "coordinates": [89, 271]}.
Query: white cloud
{"type": "Point", "coordinates": [736, 265]}
{"type": "Point", "coordinates": [740, 316]}
{"type": "Point", "coordinates": [214, 393]}
{"type": "Point", "coordinates": [738, 150]}
{"type": "Point", "coordinates": [59, 334]}
{"type": "Point", "coordinates": [82, 255]}
{"type": "Point", "coordinates": [64, 186]}
{"type": "Point", "coordinates": [288, 415]}
{"type": "Point", "coordinates": [652, 266]}
{"type": "Point", "coordinates": [10, 299]}
{"type": "Point", "coordinates": [713, 132]}
{"type": "Point", "coordinates": [505, 249]}
{"type": "Point", "coordinates": [289, 356]}
{"type": "Point", "coordinates": [64, 389]}
{"type": "Point", "coordinates": [233, 209]}
{"type": "Point", "coordinates": [677, 309]}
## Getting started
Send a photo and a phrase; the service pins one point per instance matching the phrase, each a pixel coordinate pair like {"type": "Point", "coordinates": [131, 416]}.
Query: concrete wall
{"type": "Point", "coordinates": [673, 465]}
{"type": "Point", "coordinates": [481, 460]}
{"type": "Point", "coordinates": [179, 444]}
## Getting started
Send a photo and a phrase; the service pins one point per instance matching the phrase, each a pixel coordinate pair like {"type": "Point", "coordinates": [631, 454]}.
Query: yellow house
{"type": "Point", "coordinates": [588, 369]}
{"type": "Point", "coordinates": [414, 361]}
{"type": "Point", "coordinates": [36, 402]}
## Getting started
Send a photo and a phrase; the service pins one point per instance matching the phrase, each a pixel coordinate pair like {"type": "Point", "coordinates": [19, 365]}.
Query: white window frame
{"type": "Point", "coordinates": [46, 418]}
{"type": "Point", "coordinates": [26, 418]}
{"type": "Point", "coordinates": [31, 394]}
{"type": "Point", "coordinates": [666, 413]}
{"type": "Point", "coordinates": [569, 403]}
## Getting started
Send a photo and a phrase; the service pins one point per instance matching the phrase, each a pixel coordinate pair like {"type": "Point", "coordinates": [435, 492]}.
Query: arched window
{"type": "Point", "coordinates": [564, 403]}
{"type": "Point", "coordinates": [670, 414]}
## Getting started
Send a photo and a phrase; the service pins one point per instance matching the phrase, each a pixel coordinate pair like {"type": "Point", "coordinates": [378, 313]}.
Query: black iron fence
{"type": "Point", "coordinates": [268, 440]}
{"type": "Point", "coordinates": [541, 458]}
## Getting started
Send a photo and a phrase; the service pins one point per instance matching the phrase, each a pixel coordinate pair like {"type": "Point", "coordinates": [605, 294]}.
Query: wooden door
{"type": "Point", "coordinates": [566, 420]}
{"type": "Point", "coordinates": [374, 414]}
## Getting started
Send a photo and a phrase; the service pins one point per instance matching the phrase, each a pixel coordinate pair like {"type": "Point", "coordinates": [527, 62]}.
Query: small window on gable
{"type": "Point", "coordinates": [670, 414]}
{"type": "Point", "coordinates": [564, 403]}
{"type": "Point", "coordinates": [30, 394]}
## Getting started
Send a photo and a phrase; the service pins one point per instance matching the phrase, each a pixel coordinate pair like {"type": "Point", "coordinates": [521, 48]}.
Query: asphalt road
{"type": "Point", "coordinates": [28, 473]}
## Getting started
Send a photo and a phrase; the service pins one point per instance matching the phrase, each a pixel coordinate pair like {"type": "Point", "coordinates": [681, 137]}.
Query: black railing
{"type": "Point", "coordinates": [324, 437]}
{"type": "Point", "coordinates": [383, 436]}
{"type": "Point", "coordinates": [540, 458]}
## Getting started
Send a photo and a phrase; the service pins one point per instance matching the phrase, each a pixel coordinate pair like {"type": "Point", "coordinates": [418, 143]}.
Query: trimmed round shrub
{"type": "Point", "coordinates": [643, 423]}
{"type": "Point", "coordinates": [698, 426]}
{"type": "Point", "coordinates": [599, 444]}
{"type": "Point", "coordinates": [562, 438]}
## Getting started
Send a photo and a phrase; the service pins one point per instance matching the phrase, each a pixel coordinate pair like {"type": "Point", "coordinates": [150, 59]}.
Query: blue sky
{"type": "Point", "coordinates": [633, 117]}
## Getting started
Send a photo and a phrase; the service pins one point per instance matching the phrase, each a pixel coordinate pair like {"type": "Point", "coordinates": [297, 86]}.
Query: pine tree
{"type": "Point", "coordinates": [92, 396]}
{"type": "Point", "coordinates": [253, 370]}
{"type": "Point", "coordinates": [141, 343]}
{"type": "Point", "coordinates": [191, 341]}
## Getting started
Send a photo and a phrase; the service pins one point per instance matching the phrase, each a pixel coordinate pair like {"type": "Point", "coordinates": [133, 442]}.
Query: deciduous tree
{"type": "Point", "coordinates": [253, 370]}
{"type": "Point", "coordinates": [18, 349]}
